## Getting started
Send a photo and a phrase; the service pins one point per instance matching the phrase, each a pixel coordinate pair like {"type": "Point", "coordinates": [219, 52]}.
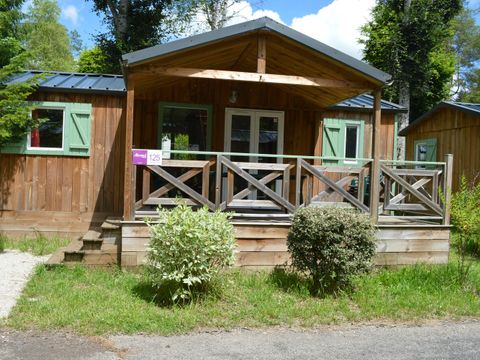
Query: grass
{"type": "Point", "coordinates": [99, 301]}
{"type": "Point", "coordinates": [38, 245]}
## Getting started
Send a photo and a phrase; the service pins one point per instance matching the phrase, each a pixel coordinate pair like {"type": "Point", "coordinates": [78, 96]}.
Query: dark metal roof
{"type": "Point", "coordinates": [74, 82]}
{"type": "Point", "coordinates": [466, 107]}
{"type": "Point", "coordinates": [264, 23]}
{"type": "Point", "coordinates": [365, 102]}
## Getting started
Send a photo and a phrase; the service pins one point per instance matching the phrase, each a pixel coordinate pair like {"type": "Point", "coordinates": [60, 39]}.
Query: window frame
{"type": "Point", "coordinates": [192, 106]}
{"type": "Point", "coordinates": [354, 160]}
{"type": "Point", "coordinates": [30, 148]}
{"type": "Point", "coordinates": [78, 123]}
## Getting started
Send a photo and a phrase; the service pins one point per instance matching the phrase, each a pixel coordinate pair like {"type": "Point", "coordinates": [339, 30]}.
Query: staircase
{"type": "Point", "coordinates": [98, 247]}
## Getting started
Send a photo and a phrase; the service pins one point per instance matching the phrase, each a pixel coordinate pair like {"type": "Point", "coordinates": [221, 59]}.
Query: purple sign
{"type": "Point", "coordinates": [139, 157]}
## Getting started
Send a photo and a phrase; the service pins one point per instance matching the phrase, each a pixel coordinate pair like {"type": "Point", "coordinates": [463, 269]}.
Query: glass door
{"type": "Point", "coordinates": [254, 132]}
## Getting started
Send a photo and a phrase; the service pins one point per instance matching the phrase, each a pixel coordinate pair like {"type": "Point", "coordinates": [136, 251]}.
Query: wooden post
{"type": "Point", "coordinates": [375, 173]}
{"type": "Point", "coordinates": [262, 55]}
{"type": "Point", "coordinates": [447, 189]}
{"type": "Point", "coordinates": [129, 194]}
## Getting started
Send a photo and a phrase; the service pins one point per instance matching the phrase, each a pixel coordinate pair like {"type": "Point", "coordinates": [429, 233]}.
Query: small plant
{"type": "Point", "coordinates": [2, 242]}
{"type": "Point", "coordinates": [187, 249]}
{"type": "Point", "coordinates": [331, 246]}
{"type": "Point", "coordinates": [465, 214]}
{"type": "Point", "coordinates": [182, 142]}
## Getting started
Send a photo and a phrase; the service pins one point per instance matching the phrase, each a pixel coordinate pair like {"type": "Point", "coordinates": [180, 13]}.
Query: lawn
{"type": "Point", "coordinates": [39, 245]}
{"type": "Point", "coordinates": [99, 301]}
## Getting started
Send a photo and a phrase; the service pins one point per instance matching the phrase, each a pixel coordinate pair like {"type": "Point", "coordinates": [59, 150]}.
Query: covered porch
{"type": "Point", "coordinates": [244, 111]}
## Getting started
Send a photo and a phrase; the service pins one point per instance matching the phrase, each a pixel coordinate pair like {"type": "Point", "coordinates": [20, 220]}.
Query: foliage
{"type": "Point", "coordinates": [470, 91]}
{"type": "Point", "coordinates": [3, 240]}
{"type": "Point", "coordinates": [132, 25]}
{"type": "Point", "coordinates": [182, 143]}
{"type": "Point", "coordinates": [245, 300]}
{"type": "Point", "coordinates": [331, 245]}
{"type": "Point", "coordinates": [466, 43]}
{"type": "Point", "coordinates": [412, 42]}
{"type": "Point", "coordinates": [465, 215]}
{"type": "Point", "coordinates": [92, 61]}
{"type": "Point", "coordinates": [188, 248]}
{"type": "Point", "coordinates": [46, 39]}
{"type": "Point", "coordinates": [10, 28]}
{"type": "Point", "coordinates": [15, 119]}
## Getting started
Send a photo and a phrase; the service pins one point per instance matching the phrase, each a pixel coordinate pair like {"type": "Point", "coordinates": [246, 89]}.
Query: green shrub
{"type": "Point", "coordinates": [465, 219]}
{"type": "Point", "coordinates": [331, 246]}
{"type": "Point", "coordinates": [188, 248]}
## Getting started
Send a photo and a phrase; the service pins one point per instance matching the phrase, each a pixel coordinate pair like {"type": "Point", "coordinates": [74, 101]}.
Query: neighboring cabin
{"type": "Point", "coordinates": [449, 128]}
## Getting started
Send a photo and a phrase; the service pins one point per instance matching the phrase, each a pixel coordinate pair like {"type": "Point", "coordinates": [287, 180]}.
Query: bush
{"type": "Point", "coordinates": [465, 214]}
{"type": "Point", "coordinates": [188, 248]}
{"type": "Point", "coordinates": [331, 246]}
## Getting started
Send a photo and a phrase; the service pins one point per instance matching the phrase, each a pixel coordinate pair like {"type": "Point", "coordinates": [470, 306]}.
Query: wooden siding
{"type": "Point", "coordinates": [300, 115]}
{"type": "Point", "coordinates": [263, 245]}
{"type": "Point", "coordinates": [457, 133]}
{"type": "Point", "coordinates": [67, 194]}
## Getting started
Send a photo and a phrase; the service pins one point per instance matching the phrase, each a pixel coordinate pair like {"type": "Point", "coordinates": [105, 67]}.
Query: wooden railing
{"type": "Point", "coordinates": [288, 183]}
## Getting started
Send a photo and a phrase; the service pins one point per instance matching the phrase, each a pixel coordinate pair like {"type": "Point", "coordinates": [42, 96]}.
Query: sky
{"type": "Point", "coordinates": [334, 22]}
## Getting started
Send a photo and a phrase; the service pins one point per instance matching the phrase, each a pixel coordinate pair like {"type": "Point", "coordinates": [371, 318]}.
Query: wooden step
{"type": "Point", "coordinates": [92, 240]}
{"type": "Point", "coordinates": [73, 252]}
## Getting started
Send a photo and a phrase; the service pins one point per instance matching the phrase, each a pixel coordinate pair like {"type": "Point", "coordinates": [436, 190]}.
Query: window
{"type": "Point", "coordinates": [342, 141]}
{"type": "Point", "coordinates": [65, 130]}
{"type": "Point", "coordinates": [49, 135]}
{"type": "Point", "coordinates": [184, 127]}
{"type": "Point", "coordinates": [425, 150]}
{"type": "Point", "coordinates": [351, 142]}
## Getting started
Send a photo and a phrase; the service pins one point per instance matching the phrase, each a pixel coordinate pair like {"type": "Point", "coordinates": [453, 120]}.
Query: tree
{"type": "Point", "coordinates": [466, 43]}
{"type": "Point", "coordinates": [132, 25]}
{"type": "Point", "coordinates": [411, 40]}
{"type": "Point", "coordinates": [10, 18]}
{"type": "Point", "coordinates": [470, 91]}
{"type": "Point", "coordinates": [92, 61]}
{"type": "Point", "coordinates": [46, 39]}
{"type": "Point", "coordinates": [15, 119]}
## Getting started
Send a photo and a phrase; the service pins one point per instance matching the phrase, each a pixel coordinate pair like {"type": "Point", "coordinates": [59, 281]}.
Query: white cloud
{"type": "Point", "coordinates": [337, 24]}
{"type": "Point", "coordinates": [70, 12]}
{"type": "Point", "coordinates": [243, 11]}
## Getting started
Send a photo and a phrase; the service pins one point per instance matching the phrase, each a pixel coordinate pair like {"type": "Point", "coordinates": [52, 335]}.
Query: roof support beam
{"type": "Point", "coordinates": [262, 54]}
{"type": "Point", "coordinates": [255, 77]}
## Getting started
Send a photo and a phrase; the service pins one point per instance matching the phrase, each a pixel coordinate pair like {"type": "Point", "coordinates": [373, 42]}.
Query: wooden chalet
{"type": "Point", "coordinates": [449, 128]}
{"type": "Point", "coordinates": [255, 118]}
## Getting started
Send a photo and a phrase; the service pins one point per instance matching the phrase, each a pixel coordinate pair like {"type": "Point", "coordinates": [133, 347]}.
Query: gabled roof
{"type": "Point", "coordinates": [74, 82]}
{"type": "Point", "coordinates": [266, 24]}
{"type": "Point", "coordinates": [114, 85]}
{"type": "Point", "coordinates": [466, 107]}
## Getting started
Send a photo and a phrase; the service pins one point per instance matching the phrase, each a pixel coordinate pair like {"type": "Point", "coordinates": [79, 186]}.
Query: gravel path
{"type": "Point", "coordinates": [15, 268]}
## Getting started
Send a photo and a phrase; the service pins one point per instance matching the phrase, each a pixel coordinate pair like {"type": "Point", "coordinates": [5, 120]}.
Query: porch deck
{"type": "Point", "coordinates": [412, 220]}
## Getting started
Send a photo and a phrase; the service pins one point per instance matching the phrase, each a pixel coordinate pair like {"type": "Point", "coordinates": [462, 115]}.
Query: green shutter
{"type": "Point", "coordinates": [78, 121]}
{"type": "Point", "coordinates": [332, 140]}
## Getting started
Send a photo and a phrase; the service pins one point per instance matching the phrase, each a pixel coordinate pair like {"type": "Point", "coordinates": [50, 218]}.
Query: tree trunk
{"type": "Point", "coordinates": [403, 100]}
{"type": "Point", "coordinates": [120, 18]}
